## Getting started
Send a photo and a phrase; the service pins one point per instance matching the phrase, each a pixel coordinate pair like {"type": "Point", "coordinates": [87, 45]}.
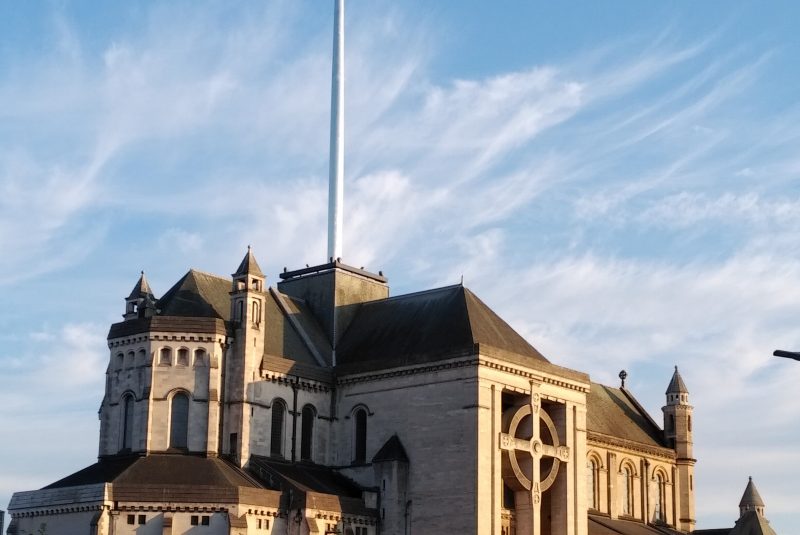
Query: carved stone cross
{"type": "Point", "coordinates": [537, 449]}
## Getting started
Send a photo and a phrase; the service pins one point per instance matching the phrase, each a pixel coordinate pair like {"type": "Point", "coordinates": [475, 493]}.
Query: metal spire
{"type": "Point", "coordinates": [336, 176]}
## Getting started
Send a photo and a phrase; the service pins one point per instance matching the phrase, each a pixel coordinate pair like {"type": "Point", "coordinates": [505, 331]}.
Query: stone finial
{"type": "Point", "coordinates": [623, 375]}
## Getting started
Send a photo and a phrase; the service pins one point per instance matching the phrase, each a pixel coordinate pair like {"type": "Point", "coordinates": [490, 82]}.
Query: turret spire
{"type": "Point", "coordinates": [249, 266]}
{"type": "Point", "coordinates": [751, 500]}
{"type": "Point", "coordinates": [141, 301]}
{"type": "Point", "coordinates": [336, 175]}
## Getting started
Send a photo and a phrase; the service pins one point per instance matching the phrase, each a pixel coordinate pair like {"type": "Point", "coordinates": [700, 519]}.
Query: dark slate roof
{"type": "Point", "coordinates": [159, 469]}
{"type": "Point", "coordinates": [305, 477]}
{"type": "Point", "coordinates": [615, 412]}
{"type": "Point", "coordinates": [103, 471]}
{"type": "Point", "coordinates": [281, 335]}
{"type": "Point", "coordinates": [142, 288]}
{"type": "Point", "coordinates": [676, 385]}
{"type": "Point", "coordinates": [751, 523]}
{"type": "Point", "coordinates": [751, 497]}
{"type": "Point", "coordinates": [393, 450]}
{"type": "Point", "coordinates": [248, 266]}
{"type": "Point", "coordinates": [198, 294]}
{"type": "Point", "coordinates": [425, 327]}
{"type": "Point", "coordinates": [603, 525]}
{"type": "Point", "coordinates": [311, 485]}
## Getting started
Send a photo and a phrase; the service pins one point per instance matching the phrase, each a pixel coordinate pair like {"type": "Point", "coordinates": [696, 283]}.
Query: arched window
{"type": "Point", "coordinates": [120, 359]}
{"type": "Point", "coordinates": [127, 422]}
{"type": "Point", "coordinates": [661, 498]}
{"type": "Point", "coordinates": [256, 318]}
{"type": "Point", "coordinates": [141, 357]}
{"type": "Point", "coordinates": [179, 421]}
{"type": "Point", "coordinates": [278, 418]}
{"type": "Point", "coordinates": [626, 491]}
{"type": "Point", "coordinates": [200, 357]}
{"type": "Point", "coordinates": [239, 311]}
{"type": "Point", "coordinates": [593, 484]}
{"type": "Point", "coordinates": [165, 356]}
{"type": "Point", "coordinates": [360, 442]}
{"type": "Point", "coordinates": [689, 423]}
{"type": "Point", "coordinates": [183, 357]}
{"type": "Point", "coordinates": [671, 423]}
{"type": "Point", "coordinates": [129, 358]}
{"type": "Point", "coordinates": [307, 432]}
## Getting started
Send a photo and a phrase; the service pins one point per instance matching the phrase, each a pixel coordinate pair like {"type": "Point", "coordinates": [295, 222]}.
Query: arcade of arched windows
{"type": "Point", "coordinates": [619, 488]}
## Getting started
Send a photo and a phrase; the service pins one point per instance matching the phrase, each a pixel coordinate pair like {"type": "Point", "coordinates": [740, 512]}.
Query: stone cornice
{"type": "Point", "coordinates": [471, 360]}
{"type": "Point", "coordinates": [601, 440]}
{"type": "Point", "coordinates": [166, 337]}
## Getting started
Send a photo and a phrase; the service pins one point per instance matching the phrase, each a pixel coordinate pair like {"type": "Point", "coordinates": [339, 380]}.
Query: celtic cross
{"type": "Point", "coordinates": [537, 449]}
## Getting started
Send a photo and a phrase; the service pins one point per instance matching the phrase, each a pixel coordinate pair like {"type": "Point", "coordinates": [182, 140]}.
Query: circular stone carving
{"type": "Point", "coordinates": [536, 448]}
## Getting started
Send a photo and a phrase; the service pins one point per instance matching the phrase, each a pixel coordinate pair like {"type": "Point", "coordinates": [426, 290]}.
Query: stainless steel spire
{"type": "Point", "coordinates": [336, 176]}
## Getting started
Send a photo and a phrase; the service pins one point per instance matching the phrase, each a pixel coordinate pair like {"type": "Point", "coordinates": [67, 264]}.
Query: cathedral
{"type": "Point", "coordinates": [318, 403]}
{"type": "Point", "coordinates": [322, 404]}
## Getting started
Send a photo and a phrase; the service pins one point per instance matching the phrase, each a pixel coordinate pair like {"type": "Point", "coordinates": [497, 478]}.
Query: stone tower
{"type": "Point", "coordinates": [243, 362]}
{"type": "Point", "coordinates": [678, 432]}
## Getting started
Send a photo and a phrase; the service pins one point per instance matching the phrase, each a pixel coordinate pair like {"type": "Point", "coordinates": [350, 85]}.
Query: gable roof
{"type": "Point", "coordinates": [392, 450]}
{"type": "Point", "coordinates": [425, 327]}
{"type": "Point", "coordinates": [615, 412]}
{"type": "Point", "coordinates": [198, 294]}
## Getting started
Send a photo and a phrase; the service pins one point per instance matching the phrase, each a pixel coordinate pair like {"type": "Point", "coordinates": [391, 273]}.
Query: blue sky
{"type": "Point", "coordinates": [619, 180]}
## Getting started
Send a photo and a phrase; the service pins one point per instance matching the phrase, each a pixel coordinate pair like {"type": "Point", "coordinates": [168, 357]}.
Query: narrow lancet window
{"type": "Point", "coordinates": [307, 433]}
{"type": "Point", "coordinates": [276, 439]}
{"type": "Point", "coordinates": [360, 450]}
{"type": "Point", "coordinates": [179, 422]}
{"type": "Point", "coordinates": [127, 423]}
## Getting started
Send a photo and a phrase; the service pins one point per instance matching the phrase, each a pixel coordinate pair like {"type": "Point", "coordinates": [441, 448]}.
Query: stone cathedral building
{"type": "Point", "coordinates": [322, 404]}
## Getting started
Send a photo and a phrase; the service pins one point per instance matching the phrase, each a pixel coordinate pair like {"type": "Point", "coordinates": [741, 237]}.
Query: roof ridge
{"type": "Point", "coordinates": [208, 274]}
{"type": "Point", "coordinates": [414, 294]}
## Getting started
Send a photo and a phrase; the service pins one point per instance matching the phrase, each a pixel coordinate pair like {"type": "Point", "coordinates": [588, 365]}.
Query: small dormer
{"type": "Point", "coordinates": [141, 301]}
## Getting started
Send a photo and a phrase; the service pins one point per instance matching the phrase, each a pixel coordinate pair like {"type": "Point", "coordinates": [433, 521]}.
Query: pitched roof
{"type": "Point", "coordinates": [751, 497]}
{"type": "Point", "coordinates": [392, 450]}
{"type": "Point", "coordinates": [616, 413]}
{"type": "Point", "coordinates": [751, 523]}
{"type": "Point", "coordinates": [602, 525]}
{"type": "Point", "coordinates": [248, 266]}
{"type": "Point", "coordinates": [159, 469]}
{"type": "Point", "coordinates": [424, 327]}
{"type": "Point", "coordinates": [676, 385]}
{"type": "Point", "coordinates": [198, 294]}
{"type": "Point", "coordinates": [302, 476]}
{"type": "Point", "coordinates": [142, 288]}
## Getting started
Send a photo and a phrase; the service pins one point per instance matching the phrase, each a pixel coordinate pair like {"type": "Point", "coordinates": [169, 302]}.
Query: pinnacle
{"type": "Point", "coordinates": [249, 266]}
{"type": "Point", "coordinates": [142, 288]}
{"type": "Point", "coordinates": [676, 385]}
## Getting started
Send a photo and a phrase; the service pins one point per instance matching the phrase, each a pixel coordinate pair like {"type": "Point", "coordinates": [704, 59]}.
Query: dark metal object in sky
{"type": "Point", "coordinates": [786, 354]}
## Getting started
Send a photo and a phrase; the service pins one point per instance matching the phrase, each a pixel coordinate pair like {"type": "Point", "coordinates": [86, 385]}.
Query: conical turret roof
{"type": "Point", "coordinates": [676, 385]}
{"type": "Point", "coordinates": [142, 289]}
{"type": "Point", "coordinates": [751, 497]}
{"type": "Point", "coordinates": [249, 266]}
